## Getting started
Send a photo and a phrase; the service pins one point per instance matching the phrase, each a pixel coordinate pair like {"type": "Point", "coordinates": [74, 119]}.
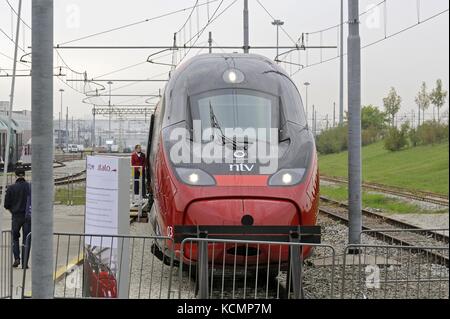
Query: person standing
{"type": "Point", "coordinates": [138, 162]}
{"type": "Point", "coordinates": [16, 199]}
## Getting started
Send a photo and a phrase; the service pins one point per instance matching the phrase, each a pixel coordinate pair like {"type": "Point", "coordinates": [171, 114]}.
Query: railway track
{"type": "Point", "coordinates": [74, 178]}
{"type": "Point", "coordinates": [392, 231]}
{"type": "Point", "coordinates": [422, 196]}
{"type": "Point", "coordinates": [71, 156]}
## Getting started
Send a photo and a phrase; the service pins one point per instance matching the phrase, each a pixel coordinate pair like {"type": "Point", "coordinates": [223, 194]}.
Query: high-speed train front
{"type": "Point", "coordinates": [230, 146]}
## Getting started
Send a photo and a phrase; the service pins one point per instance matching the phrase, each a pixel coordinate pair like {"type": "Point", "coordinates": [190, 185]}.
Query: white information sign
{"type": "Point", "coordinates": [107, 216]}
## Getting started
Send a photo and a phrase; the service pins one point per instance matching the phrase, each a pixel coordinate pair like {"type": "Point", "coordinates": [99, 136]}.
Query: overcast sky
{"type": "Point", "coordinates": [404, 61]}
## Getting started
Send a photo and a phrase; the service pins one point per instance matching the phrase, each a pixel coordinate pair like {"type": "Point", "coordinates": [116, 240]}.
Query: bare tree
{"type": "Point", "coordinates": [392, 104]}
{"type": "Point", "coordinates": [438, 97]}
{"type": "Point", "coordinates": [423, 100]}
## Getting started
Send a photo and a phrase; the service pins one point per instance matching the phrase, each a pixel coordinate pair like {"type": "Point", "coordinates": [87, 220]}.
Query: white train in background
{"type": "Point", "coordinates": [19, 154]}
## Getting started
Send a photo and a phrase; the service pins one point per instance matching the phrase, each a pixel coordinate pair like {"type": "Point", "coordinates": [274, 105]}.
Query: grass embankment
{"type": "Point", "coordinates": [65, 196]}
{"type": "Point", "coordinates": [378, 201]}
{"type": "Point", "coordinates": [423, 168]}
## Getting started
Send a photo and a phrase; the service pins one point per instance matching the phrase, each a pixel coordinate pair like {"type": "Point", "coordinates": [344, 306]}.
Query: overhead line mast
{"type": "Point", "coordinates": [246, 28]}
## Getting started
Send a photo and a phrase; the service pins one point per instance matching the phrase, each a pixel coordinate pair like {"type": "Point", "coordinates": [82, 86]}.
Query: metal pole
{"type": "Point", "coordinates": [278, 42]}
{"type": "Point", "coordinates": [210, 41]}
{"type": "Point", "coordinates": [314, 120]}
{"type": "Point", "coordinates": [334, 114]}
{"type": "Point", "coordinates": [42, 158]}
{"type": "Point", "coordinates": [67, 128]}
{"type": "Point", "coordinates": [307, 104]}
{"type": "Point", "coordinates": [174, 54]}
{"type": "Point", "coordinates": [418, 118]}
{"type": "Point", "coordinates": [93, 129]}
{"type": "Point", "coordinates": [60, 120]}
{"type": "Point", "coordinates": [110, 113]}
{"type": "Point", "coordinates": [8, 132]}
{"type": "Point", "coordinates": [354, 104]}
{"type": "Point", "coordinates": [307, 84]}
{"type": "Point", "coordinates": [246, 28]}
{"type": "Point", "coordinates": [278, 23]}
{"type": "Point", "coordinates": [341, 80]}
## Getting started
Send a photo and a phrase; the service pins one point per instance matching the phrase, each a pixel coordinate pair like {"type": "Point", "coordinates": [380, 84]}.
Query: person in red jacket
{"type": "Point", "coordinates": [138, 160]}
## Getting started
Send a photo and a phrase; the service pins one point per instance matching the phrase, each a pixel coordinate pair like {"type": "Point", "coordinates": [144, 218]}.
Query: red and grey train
{"type": "Point", "coordinates": [238, 92]}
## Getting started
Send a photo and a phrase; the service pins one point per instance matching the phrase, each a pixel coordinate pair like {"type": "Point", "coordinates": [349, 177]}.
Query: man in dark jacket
{"type": "Point", "coordinates": [16, 202]}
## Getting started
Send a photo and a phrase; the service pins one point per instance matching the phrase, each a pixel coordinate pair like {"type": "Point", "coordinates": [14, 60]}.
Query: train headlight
{"type": "Point", "coordinates": [233, 76]}
{"type": "Point", "coordinates": [287, 177]}
{"type": "Point", "coordinates": [195, 177]}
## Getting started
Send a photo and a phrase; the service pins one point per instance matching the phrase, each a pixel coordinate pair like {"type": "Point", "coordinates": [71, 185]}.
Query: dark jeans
{"type": "Point", "coordinates": [136, 184]}
{"type": "Point", "coordinates": [20, 222]}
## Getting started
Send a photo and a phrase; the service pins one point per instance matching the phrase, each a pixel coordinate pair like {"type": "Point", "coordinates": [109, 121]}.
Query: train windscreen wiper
{"type": "Point", "coordinates": [215, 124]}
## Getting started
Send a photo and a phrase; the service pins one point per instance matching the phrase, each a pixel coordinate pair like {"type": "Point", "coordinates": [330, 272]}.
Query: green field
{"type": "Point", "coordinates": [378, 201]}
{"type": "Point", "coordinates": [75, 197]}
{"type": "Point", "coordinates": [422, 168]}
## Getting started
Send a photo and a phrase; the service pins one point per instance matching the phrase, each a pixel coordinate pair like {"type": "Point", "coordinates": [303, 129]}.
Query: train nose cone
{"type": "Point", "coordinates": [247, 220]}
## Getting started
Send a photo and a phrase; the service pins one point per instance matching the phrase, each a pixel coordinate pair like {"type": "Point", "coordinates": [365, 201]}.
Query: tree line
{"type": "Point", "coordinates": [378, 125]}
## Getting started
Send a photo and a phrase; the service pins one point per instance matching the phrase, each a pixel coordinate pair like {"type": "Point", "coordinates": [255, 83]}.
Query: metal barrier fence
{"type": "Point", "coordinates": [394, 272]}
{"type": "Point", "coordinates": [6, 270]}
{"type": "Point", "coordinates": [89, 266]}
{"type": "Point", "coordinates": [86, 267]}
{"type": "Point", "coordinates": [241, 269]}
{"type": "Point", "coordinates": [72, 191]}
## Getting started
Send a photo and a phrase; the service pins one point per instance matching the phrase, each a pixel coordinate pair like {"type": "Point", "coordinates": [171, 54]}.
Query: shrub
{"type": "Point", "coordinates": [370, 135]}
{"type": "Point", "coordinates": [334, 140]}
{"type": "Point", "coordinates": [413, 137]}
{"type": "Point", "coordinates": [432, 132]}
{"type": "Point", "coordinates": [396, 139]}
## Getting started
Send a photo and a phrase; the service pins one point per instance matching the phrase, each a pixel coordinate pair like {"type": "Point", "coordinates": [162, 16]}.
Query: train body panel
{"type": "Point", "coordinates": [240, 190]}
{"type": "Point", "coordinates": [16, 142]}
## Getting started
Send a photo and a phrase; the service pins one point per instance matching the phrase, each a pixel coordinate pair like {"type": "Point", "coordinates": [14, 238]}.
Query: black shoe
{"type": "Point", "coordinates": [25, 267]}
{"type": "Point", "coordinates": [16, 263]}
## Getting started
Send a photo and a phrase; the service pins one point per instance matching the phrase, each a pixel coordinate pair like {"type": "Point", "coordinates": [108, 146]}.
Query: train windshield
{"type": "Point", "coordinates": [228, 110]}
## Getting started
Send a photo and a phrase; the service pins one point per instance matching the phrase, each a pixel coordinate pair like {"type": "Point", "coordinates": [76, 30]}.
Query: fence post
{"type": "Point", "coordinates": [11, 272]}
{"type": "Point", "coordinates": [25, 256]}
{"type": "Point", "coordinates": [141, 173]}
{"type": "Point", "coordinates": [296, 266]}
{"type": "Point", "coordinates": [72, 188]}
{"type": "Point", "coordinates": [202, 263]}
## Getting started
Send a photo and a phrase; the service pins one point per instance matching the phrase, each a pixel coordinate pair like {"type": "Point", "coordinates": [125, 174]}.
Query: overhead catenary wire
{"type": "Point", "coordinates": [12, 59]}
{"type": "Point", "coordinates": [134, 23]}
{"type": "Point", "coordinates": [273, 18]}
{"type": "Point", "coordinates": [306, 35]}
{"type": "Point", "coordinates": [387, 37]}
{"type": "Point", "coordinates": [189, 16]}
{"type": "Point", "coordinates": [370, 9]}
{"type": "Point", "coordinates": [15, 12]}
{"type": "Point", "coordinates": [210, 21]}
{"type": "Point", "coordinates": [11, 39]}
